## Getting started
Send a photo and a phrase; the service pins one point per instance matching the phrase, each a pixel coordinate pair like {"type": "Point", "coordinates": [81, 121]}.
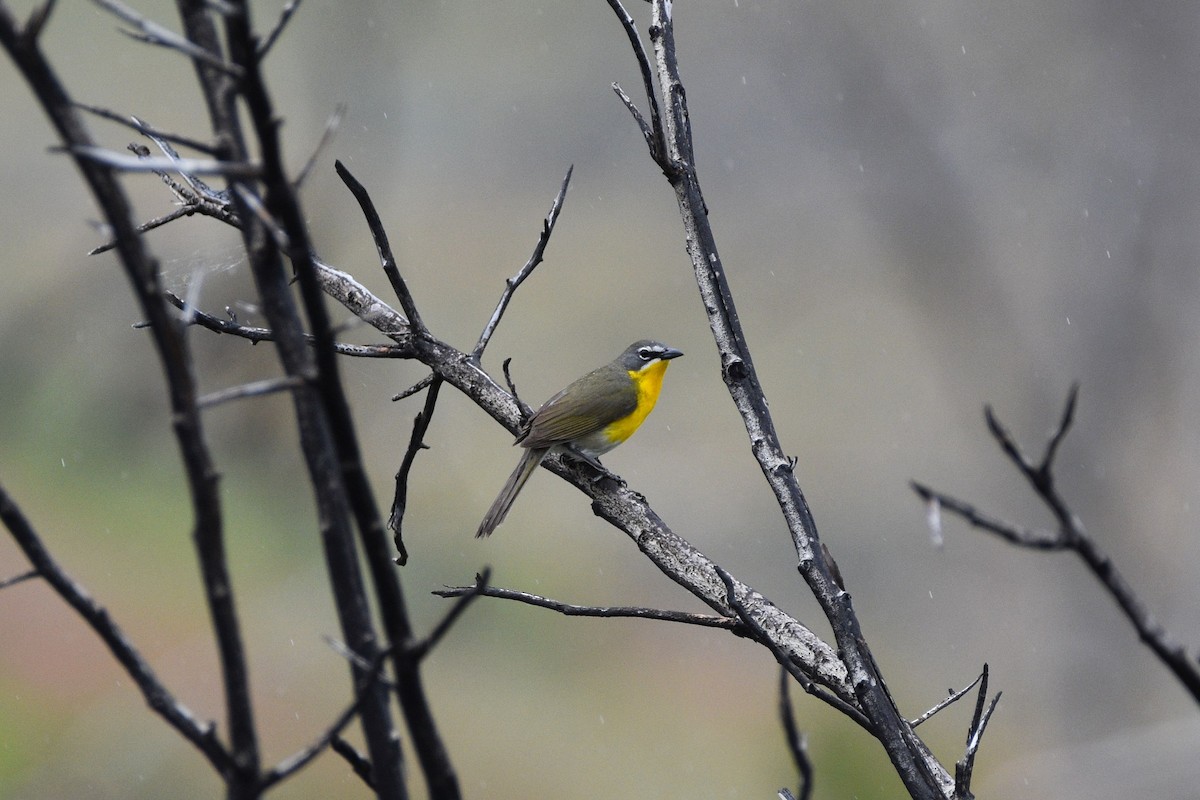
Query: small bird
{"type": "Point", "coordinates": [591, 416]}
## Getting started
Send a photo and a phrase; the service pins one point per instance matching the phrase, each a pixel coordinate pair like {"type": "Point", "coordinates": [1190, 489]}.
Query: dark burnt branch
{"type": "Point", "coordinates": [142, 127]}
{"type": "Point", "coordinates": [795, 740]}
{"type": "Point", "coordinates": [37, 20]}
{"type": "Point", "coordinates": [1071, 535]}
{"type": "Point", "coordinates": [425, 646]}
{"type": "Point", "coordinates": [296, 762]}
{"type": "Point", "coordinates": [416, 443]}
{"type": "Point", "coordinates": [285, 16]}
{"type": "Point", "coordinates": [510, 285]}
{"type": "Point", "coordinates": [653, 133]}
{"type": "Point", "coordinates": [386, 259]}
{"type": "Point", "coordinates": [21, 578]}
{"type": "Point", "coordinates": [965, 767]}
{"type": "Point", "coordinates": [157, 696]}
{"type": "Point", "coordinates": [954, 697]}
{"type": "Point", "coordinates": [420, 385]}
{"type": "Point", "coordinates": [357, 761]}
{"type": "Point", "coordinates": [923, 776]}
{"type": "Point", "coordinates": [254, 334]}
{"type": "Point", "coordinates": [276, 231]}
{"type": "Point", "coordinates": [331, 127]}
{"type": "Point", "coordinates": [240, 769]}
{"type": "Point", "coordinates": [571, 610]}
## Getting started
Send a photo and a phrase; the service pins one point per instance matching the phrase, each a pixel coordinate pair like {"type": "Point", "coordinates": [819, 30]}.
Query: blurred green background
{"type": "Point", "coordinates": [922, 207]}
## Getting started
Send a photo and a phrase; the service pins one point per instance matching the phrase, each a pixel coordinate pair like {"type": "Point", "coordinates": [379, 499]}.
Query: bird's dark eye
{"type": "Point", "coordinates": [647, 354]}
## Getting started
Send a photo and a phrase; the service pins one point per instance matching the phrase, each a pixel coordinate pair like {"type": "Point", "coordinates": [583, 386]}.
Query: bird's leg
{"type": "Point", "coordinates": [592, 461]}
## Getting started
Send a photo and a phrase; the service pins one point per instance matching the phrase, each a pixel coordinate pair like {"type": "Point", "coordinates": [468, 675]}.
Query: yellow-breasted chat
{"type": "Point", "coordinates": [591, 416]}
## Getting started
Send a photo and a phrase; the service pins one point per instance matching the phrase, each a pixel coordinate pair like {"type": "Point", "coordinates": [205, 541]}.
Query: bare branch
{"type": "Point", "coordinates": [653, 133]}
{"type": "Point", "coordinates": [420, 385]}
{"type": "Point", "coordinates": [294, 763]}
{"type": "Point", "coordinates": [953, 698]}
{"type": "Point", "coordinates": [357, 761]}
{"type": "Point", "coordinates": [795, 741]}
{"type": "Point", "coordinates": [922, 774]}
{"type": "Point", "coordinates": [155, 34]}
{"type": "Point", "coordinates": [1035, 538]}
{"type": "Point", "coordinates": [157, 696]}
{"type": "Point", "coordinates": [570, 610]}
{"type": "Point", "coordinates": [647, 133]}
{"type": "Point", "coordinates": [253, 389]}
{"type": "Point", "coordinates": [331, 127]}
{"type": "Point", "coordinates": [382, 246]}
{"type": "Point", "coordinates": [416, 443]}
{"type": "Point", "coordinates": [124, 163]}
{"type": "Point", "coordinates": [965, 767]}
{"type": "Point", "coordinates": [142, 127]}
{"type": "Point", "coordinates": [1071, 536]}
{"type": "Point", "coordinates": [510, 286]}
{"type": "Point", "coordinates": [424, 647]}
{"type": "Point", "coordinates": [36, 22]}
{"type": "Point", "coordinates": [285, 16]}
{"type": "Point", "coordinates": [21, 578]}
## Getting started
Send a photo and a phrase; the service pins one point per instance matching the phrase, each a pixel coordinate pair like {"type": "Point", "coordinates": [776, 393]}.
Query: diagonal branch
{"type": "Point", "coordinates": [572, 610]}
{"type": "Point", "coordinates": [157, 696]}
{"type": "Point", "coordinates": [510, 286]}
{"type": "Point", "coordinates": [416, 443]}
{"type": "Point", "coordinates": [1071, 535]}
{"type": "Point", "coordinates": [921, 773]}
{"type": "Point", "coordinates": [379, 234]}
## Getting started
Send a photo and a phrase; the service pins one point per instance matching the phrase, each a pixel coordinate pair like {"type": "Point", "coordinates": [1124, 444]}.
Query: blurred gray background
{"type": "Point", "coordinates": [922, 207]}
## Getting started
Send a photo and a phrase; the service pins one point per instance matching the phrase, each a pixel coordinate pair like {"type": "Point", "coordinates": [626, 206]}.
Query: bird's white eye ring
{"type": "Point", "coordinates": [647, 354]}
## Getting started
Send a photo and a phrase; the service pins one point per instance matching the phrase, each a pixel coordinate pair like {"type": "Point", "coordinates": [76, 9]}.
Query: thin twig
{"type": "Point", "coordinates": [570, 610]}
{"type": "Point", "coordinates": [260, 211]}
{"type": "Point", "coordinates": [144, 128]}
{"type": "Point", "coordinates": [252, 389]}
{"type": "Point", "coordinates": [654, 134]}
{"type": "Point", "coordinates": [510, 285]}
{"type": "Point", "coordinates": [155, 34]}
{"type": "Point", "coordinates": [382, 246]}
{"type": "Point", "coordinates": [416, 443]}
{"type": "Point", "coordinates": [285, 16]}
{"type": "Point", "coordinates": [254, 334]}
{"type": "Point", "coordinates": [965, 767]}
{"type": "Point", "coordinates": [797, 746]}
{"type": "Point", "coordinates": [150, 225]}
{"type": "Point", "coordinates": [331, 127]}
{"type": "Point", "coordinates": [953, 698]}
{"type": "Point", "coordinates": [647, 133]}
{"type": "Point", "coordinates": [416, 387]}
{"type": "Point", "coordinates": [357, 761]}
{"type": "Point", "coordinates": [512, 389]}
{"type": "Point", "coordinates": [21, 578]}
{"type": "Point", "coordinates": [424, 647]}
{"type": "Point", "coordinates": [1071, 535]}
{"type": "Point", "coordinates": [36, 22]}
{"type": "Point", "coordinates": [297, 761]}
{"type": "Point", "coordinates": [159, 698]}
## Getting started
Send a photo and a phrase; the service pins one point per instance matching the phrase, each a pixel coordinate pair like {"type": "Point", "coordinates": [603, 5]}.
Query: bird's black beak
{"type": "Point", "coordinates": [670, 353]}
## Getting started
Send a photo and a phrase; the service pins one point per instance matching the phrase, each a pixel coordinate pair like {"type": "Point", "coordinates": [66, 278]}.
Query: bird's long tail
{"type": "Point", "coordinates": [495, 515]}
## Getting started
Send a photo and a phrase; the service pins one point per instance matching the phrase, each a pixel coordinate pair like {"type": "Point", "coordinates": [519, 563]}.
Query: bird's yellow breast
{"type": "Point", "coordinates": [648, 382]}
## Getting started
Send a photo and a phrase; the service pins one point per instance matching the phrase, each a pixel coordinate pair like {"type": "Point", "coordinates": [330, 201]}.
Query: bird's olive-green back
{"type": "Point", "coordinates": [599, 398]}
